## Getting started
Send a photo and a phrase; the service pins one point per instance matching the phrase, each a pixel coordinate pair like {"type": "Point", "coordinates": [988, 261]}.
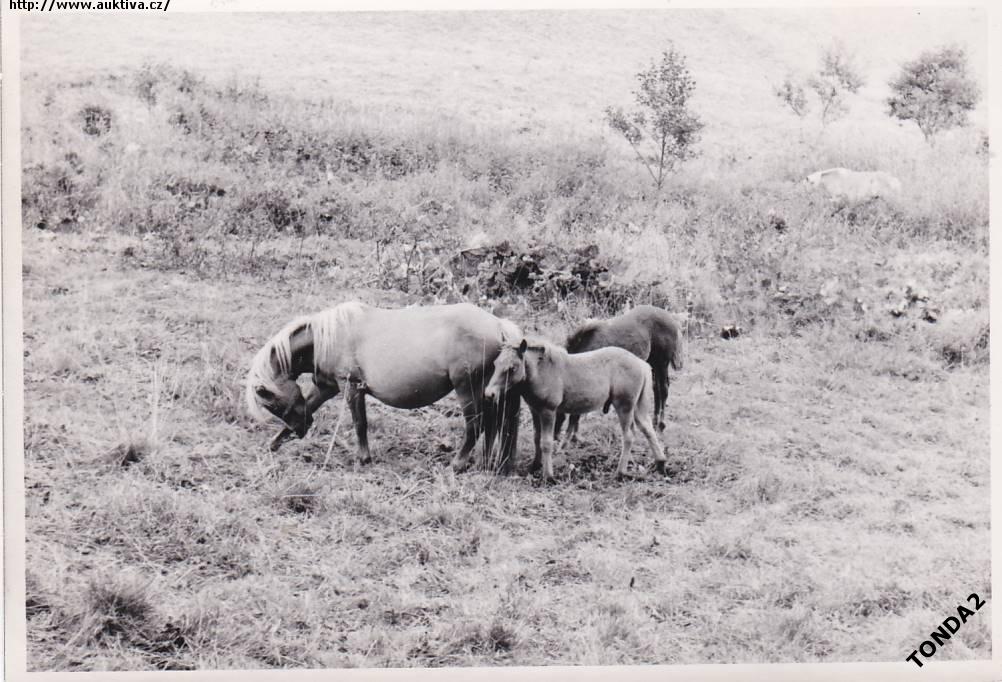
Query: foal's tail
{"type": "Point", "coordinates": [645, 401]}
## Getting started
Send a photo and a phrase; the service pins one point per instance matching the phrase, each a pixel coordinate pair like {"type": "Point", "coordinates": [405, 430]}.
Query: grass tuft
{"type": "Point", "coordinates": [131, 452]}
{"type": "Point", "coordinates": [117, 609]}
{"type": "Point", "coordinates": [301, 497]}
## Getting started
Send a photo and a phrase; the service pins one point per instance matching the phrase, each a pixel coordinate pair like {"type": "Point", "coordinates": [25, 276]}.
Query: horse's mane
{"type": "Point", "coordinates": [548, 348]}
{"type": "Point", "coordinates": [326, 326]}
{"type": "Point", "coordinates": [329, 327]}
{"type": "Point", "coordinates": [581, 335]}
{"type": "Point", "coordinates": [261, 374]}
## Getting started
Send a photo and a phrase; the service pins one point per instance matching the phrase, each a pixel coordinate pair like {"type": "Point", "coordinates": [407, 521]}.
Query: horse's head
{"type": "Point", "coordinates": [282, 399]}
{"type": "Point", "coordinates": [272, 391]}
{"type": "Point", "coordinates": [509, 368]}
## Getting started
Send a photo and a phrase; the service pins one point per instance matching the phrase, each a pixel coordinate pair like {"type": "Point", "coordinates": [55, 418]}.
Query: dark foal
{"type": "Point", "coordinates": [650, 333]}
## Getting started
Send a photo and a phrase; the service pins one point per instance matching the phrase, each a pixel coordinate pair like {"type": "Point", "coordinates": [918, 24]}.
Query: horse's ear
{"type": "Point", "coordinates": [521, 347]}
{"type": "Point", "coordinates": [542, 349]}
{"type": "Point", "coordinates": [264, 393]}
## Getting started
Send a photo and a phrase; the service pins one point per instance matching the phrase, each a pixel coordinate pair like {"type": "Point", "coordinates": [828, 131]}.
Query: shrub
{"type": "Point", "coordinates": [96, 120]}
{"type": "Point", "coordinates": [793, 95]}
{"type": "Point", "coordinates": [934, 91]}
{"type": "Point", "coordinates": [836, 78]}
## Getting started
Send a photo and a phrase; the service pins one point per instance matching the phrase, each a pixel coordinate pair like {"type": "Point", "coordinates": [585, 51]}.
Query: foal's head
{"type": "Point", "coordinates": [509, 368]}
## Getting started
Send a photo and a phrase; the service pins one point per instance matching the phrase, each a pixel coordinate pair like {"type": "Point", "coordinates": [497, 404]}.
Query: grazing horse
{"type": "Point", "coordinates": [648, 332]}
{"type": "Point", "coordinates": [853, 187]}
{"type": "Point", "coordinates": [406, 358]}
{"type": "Point", "coordinates": [552, 380]}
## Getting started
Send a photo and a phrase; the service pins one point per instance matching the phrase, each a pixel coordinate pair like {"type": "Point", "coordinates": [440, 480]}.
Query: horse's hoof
{"type": "Point", "coordinates": [659, 467]}
{"type": "Point", "coordinates": [276, 442]}
{"type": "Point", "coordinates": [661, 426]}
{"type": "Point", "coordinates": [625, 476]}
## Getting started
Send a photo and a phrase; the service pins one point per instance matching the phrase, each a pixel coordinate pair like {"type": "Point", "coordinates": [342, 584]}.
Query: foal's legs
{"type": "Point", "coordinates": [626, 414]}
{"type": "Point", "coordinates": [643, 422]}
{"type": "Point", "coordinates": [572, 428]}
{"type": "Point", "coordinates": [558, 425]}
{"type": "Point", "coordinates": [355, 398]}
{"type": "Point", "coordinates": [545, 435]}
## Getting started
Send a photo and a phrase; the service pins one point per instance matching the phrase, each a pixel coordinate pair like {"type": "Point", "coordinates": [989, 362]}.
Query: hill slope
{"type": "Point", "coordinates": [557, 70]}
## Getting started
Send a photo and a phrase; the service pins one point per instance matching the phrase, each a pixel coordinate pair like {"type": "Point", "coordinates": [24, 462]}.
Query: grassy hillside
{"type": "Point", "coordinates": [828, 501]}
{"type": "Point", "coordinates": [828, 497]}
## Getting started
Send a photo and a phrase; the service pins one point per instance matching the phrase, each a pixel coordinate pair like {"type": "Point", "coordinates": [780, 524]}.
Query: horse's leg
{"type": "Point", "coordinates": [572, 428]}
{"type": "Point", "coordinates": [660, 372]}
{"type": "Point", "coordinates": [538, 459]}
{"type": "Point", "coordinates": [509, 430]}
{"type": "Point", "coordinates": [491, 416]}
{"type": "Point", "coordinates": [626, 418]}
{"type": "Point", "coordinates": [558, 425]}
{"type": "Point", "coordinates": [510, 406]}
{"type": "Point", "coordinates": [356, 401]}
{"type": "Point", "coordinates": [474, 422]}
{"type": "Point", "coordinates": [643, 423]}
{"type": "Point", "coordinates": [546, 419]}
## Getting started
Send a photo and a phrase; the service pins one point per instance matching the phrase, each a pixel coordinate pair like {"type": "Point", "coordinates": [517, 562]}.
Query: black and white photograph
{"type": "Point", "coordinates": [510, 338]}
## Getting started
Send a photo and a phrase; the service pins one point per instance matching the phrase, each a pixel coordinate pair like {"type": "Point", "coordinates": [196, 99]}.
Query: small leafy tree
{"type": "Point", "coordinates": [662, 131]}
{"type": "Point", "coordinates": [792, 94]}
{"type": "Point", "coordinates": [836, 78]}
{"type": "Point", "coordinates": [934, 91]}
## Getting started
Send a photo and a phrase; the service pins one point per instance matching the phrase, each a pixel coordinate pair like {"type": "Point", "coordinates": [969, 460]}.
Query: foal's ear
{"type": "Point", "coordinates": [521, 347]}
{"type": "Point", "coordinates": [264, 393]}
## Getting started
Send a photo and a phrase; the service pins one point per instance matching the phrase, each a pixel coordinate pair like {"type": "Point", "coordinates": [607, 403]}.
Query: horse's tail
{"type": "Point", "coordinates": [676, 352]}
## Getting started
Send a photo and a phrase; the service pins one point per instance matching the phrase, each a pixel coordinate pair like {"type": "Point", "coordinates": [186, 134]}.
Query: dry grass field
{"type": "Point", "coordinates": [828, 496]}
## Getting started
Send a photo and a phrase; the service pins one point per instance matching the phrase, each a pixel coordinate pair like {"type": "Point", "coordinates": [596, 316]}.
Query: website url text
{"type": "Point", "coordinates": [49, 5]}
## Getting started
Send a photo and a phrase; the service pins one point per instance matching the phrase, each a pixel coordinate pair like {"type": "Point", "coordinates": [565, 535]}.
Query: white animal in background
{"type": "Point", "coordinates": [850, 186]}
